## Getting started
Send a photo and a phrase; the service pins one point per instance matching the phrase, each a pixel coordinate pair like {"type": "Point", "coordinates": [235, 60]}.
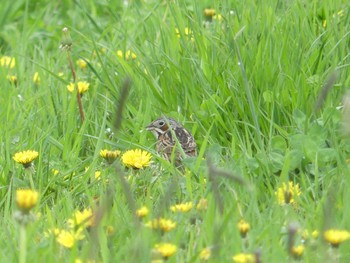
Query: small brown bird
{"type": "Point", "coordinates": [163, 129]}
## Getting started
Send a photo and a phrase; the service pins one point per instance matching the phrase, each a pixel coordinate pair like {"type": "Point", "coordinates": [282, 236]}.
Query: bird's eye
{"type": "Point", "coordinates": [161, 123]}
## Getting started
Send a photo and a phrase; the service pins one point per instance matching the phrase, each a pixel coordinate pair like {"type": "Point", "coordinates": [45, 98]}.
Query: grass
{"type": "Point", "coordinates": [246, 86]}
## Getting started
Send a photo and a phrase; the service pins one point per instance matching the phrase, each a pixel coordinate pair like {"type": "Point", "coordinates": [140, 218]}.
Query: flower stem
{"type": "Point", "coordinates": [22, 243]}
{"type": "Point", "coordinates": [80, 105]}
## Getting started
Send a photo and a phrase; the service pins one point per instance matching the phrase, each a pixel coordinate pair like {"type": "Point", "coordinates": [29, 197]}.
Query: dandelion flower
{"type": "Point", "coordinates": [298, 251]}
{"type": "Point", "coordinates": [36, 78]}
{"type": "Point", "coordinates": [209, 13]}
{"type": "Point", "coordinates": [7, 62]}
{"type": "Point", "coordinates": [110, 156]}
{"type": "Point", "coordinates": [142, 212]}
{"type": "Point", "coordinates": [205, 253]}
{"type": "Point", "coordinates": [26, 199]}
{"type": "Point", "coordinates": [336, 237]}
{"type": "Point", "coordinates": [25, 157]}
{"type": "Point", "coordinates": [136, 159]}
{"type": "Point", "coordinates": [165, 225]}
{"type": "Point", "coordinates": [81, 63]}
{"type": "Point", "coordinates": [68, 239]}
{"type": "Point", "coordinates": [83, 87]}
{"type": "Point", "coordinates": [184, 207]}
{"type": "Point", "coordinates": [243, 228]}
{"type": "Point", "coordinates": [286, 193]}
{"type": "Point", "coordinates": [82, 219]}
{"type": "Point", "coordinates": [244, 258]}
{"type": "Point", "coordinates": [166, 249]}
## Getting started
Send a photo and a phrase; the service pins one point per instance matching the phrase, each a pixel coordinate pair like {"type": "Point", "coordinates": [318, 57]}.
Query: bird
{"type": "Point", "coordinates": [163, 129]}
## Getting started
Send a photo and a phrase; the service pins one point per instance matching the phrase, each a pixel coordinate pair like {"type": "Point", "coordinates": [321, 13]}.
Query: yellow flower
{"type": "Point", "coordinates": [7, 62]}
{"type": "Point", "coordinates": [97, 175]}
{"type": "Point", "coordinates": [243, 227]}
{"type": "Point", "coordinates": [26, 199]}
{"type": "Point", "coordinates": [136, 158]}
{"type": "Point", "coordinates": [83, 87]}
{"type": "Point", "coordinates": [185, 207]}
{"type": "Point", "coordinates": [166, 249]}
{"type": "Point", "coordinates": [244, 258]}
{"type": "Point", "coordinates": [286, 194]}
{"type": "Point", "coordinates": [12, 79]}
{"type": "Point", "coordinates": [128, 55]}
{"type": "Point", "coordinates": [55, 171]}
{"type": "Point", "coordinates": [209, 12]}
{"type": "Point", "coordinates": [336, 237]}
{"type": "Point", "coordinates": [68, 239]}
{"type": "Point", "coordinates": [202, 204]}
{"type": "Point", "coordinates": [81, 219]}
{"type": "Point", "coordinates": [25, 157]}
{"type": "Point", "coordinates": [142, 212]}
{"type": "Point", "coordinates": [205, 253]}
{"type": "Point", "coordinates": [165, 225]}
{"type": "Point", "coordinates": [110, 156]}
{"type": "Point", "coordinates": [217, 17]}
{"type": "Point", "coordinates": [36, 78]}
{"type": "Point", "coordinates": [298, 251]}
{"type": "Point", "coordinates": [81, 63]}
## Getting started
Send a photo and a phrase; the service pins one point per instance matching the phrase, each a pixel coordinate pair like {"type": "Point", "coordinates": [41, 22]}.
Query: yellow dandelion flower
{"type": "Point", "coordinates": [205, 253]}
{"type": "Point", "coordinates": [142, 212]}
{"type": "Point", "coordinates": [286, 193]}
{"type": "Point", "coordinates": [243, 228]}
{"type": "Point", "coordinates": [83, 87]}
{"type": "Point", "coordinates": [82, 219]}
{"type": "Point", "coordinates": [209, 12]}
{"type": "Point", "coordinates": [335, 237]}
{"type": "Point", "coordinates": [26, 199]}
{"type": "Point", "coordinates": [110, 156]}
{"type": "Point", "coordinates": [202, 204]}
{"type": "Point", "coordinates": [81, 63]}
{"type": "Point", "coordinates": [185, 207]}
{"type": "Point", "coordinates": [36, 78]}
{"type": "Point", "coordinates": [166, 249]}
{"type": "Point", "coordinates": [68, 239]}
{"type": "Point", "coordinates": [7, 62]}
{"type": "Point", "coordinates": [298, 251]}
{"type": "Point", "coordinates": [12, 79]}
{"type": "Point", "coordinates": [25, 157]}
{"type": "Point", "coordinates": [244, 258]}
{"type": "Point", "coordinates": [136, 158]}
{"type": "Point", "coordinates": [163, 224]}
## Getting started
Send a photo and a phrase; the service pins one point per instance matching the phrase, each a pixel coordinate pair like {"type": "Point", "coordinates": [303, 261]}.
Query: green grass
{"type": "Point", "coordinates": [245, 86]}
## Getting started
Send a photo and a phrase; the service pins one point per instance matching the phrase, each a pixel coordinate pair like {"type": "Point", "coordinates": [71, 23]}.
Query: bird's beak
{"type": "Point", "coordinates": [149, 127]}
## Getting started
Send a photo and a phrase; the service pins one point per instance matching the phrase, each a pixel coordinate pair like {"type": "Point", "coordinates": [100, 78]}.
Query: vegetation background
{"type": "Point", "coordinates": [261, 86]}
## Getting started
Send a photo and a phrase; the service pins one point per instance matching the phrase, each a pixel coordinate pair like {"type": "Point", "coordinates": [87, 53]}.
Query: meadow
{"type": "Point", "coordinates": [261, 85]}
